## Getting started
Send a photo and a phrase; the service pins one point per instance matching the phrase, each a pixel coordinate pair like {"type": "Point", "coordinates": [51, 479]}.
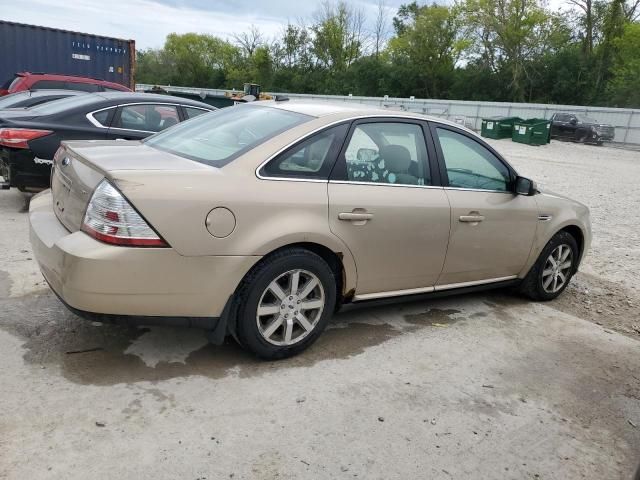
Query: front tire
{"type": "Point", "coordinates": [285, 303]}
{"type": "Point", "coordinates": [553, 270]}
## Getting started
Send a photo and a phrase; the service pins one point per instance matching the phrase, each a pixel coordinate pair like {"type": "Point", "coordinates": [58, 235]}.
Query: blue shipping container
{"type": "Point", "coordinates": [30, 48]}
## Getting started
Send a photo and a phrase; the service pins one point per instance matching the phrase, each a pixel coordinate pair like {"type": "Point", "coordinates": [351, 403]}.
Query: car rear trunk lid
{"type": "Point", "coordinates": [79, 166]}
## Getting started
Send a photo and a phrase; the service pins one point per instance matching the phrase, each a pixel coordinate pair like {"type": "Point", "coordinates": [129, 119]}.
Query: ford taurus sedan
{"type": "Point", "coordinates": [261, 220]}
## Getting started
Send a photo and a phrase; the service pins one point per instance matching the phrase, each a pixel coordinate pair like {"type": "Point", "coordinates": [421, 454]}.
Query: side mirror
{"type": "Point", "coordinates": [573, 121]}
{"type": "Point", "coordinates": [525, 186]}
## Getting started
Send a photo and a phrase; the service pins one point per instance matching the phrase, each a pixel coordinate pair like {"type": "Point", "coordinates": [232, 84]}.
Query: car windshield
{"type": "Point", "coordinates": [57, 106]}
{"type": "Point", "coordinates": [10, 100]}
{"type": "Point", "coordinates": [217, 138]}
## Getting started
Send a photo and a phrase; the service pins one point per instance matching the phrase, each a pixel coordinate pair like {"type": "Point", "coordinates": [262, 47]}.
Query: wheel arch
{"type": "Point", "coordinates": [576, 232]}
{"type": "Point", "coordinates": [335, 260]}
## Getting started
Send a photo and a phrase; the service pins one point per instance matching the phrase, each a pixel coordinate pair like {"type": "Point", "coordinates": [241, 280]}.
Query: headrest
{"type": "Point", "coordinates": [153, 119]}
{"type": "Point", "coordinates": [396, 158]}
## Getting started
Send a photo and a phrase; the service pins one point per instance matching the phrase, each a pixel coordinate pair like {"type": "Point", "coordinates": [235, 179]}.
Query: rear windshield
{"type": "Point", "coordinates": [217, 138]}
{"type": "Point", "coordinates": [57, 106]}
{"type": "Point", "coordinates": [9, 83]}
{"type": "Point", "coordinates": [12, 99]}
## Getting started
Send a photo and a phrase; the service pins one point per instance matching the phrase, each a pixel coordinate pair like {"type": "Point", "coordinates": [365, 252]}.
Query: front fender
{"type": "Point", "coordinates": [561, 213]}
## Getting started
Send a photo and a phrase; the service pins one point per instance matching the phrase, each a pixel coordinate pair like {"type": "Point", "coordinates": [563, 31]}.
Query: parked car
{"type": "Point", "coordinates": [31, 98]}
{"type": "Point", "coordinates": [40, 81]}
{"type": "Point", "coordinates": [29, 138]}
{"type": "Point", "coordinates": [261, 220]}
{"type": "Point", "coordinates": [580, 128]}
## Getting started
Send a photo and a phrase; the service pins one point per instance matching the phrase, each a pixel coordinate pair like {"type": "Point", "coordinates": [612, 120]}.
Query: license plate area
{"type": "Point", "coordinates": [60, 189]}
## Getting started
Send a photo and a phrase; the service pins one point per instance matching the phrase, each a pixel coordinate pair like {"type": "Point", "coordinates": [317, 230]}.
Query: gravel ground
{"type": "Point", "coordinates": [477, 386]}
{"type": "Point", "coordinates": [606, 290]}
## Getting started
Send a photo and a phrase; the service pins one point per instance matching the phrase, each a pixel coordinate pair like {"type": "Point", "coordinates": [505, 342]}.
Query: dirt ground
{"type": "Point", "coordinates": [483, 386]}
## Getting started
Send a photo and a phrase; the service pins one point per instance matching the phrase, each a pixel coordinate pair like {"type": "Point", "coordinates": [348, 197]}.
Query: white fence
{"type": "Point", "coordinates": [470, 113]}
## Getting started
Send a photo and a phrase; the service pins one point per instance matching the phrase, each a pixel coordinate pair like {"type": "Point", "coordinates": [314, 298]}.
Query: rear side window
{"type": "Point", "coordinates": [50, 84]}
{"type": "Point", "coordinates": [103, 117]}
{"type": "Point", "coordinates": [218, 138]}
{"type": "Point", "coordinates": [147, 117]}
{"type": "Point", "coordinates": [313, 158]}
{"type": "Point", "coordinates": [387, 152]}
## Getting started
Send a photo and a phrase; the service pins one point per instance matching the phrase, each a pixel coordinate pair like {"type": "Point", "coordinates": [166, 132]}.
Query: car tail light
{"type": "Point", "coordinates": [19, 137]}
{"type": "Point", "coordinates": [110, 218]}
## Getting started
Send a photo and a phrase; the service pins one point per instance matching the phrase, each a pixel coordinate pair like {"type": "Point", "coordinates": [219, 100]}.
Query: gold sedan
{"type": "Point", "coordinates": [261, 220]}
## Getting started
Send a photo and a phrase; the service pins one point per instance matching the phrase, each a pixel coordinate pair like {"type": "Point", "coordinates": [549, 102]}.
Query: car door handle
{"type": "Point", "coordinates": [471, 218]}
{"type": "Point", "coordinates": [355, 216]}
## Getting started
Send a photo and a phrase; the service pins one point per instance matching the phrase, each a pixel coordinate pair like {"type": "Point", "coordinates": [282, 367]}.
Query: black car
{"type": "Point", "coordinates": [30, 138]}
{"type": "Point", "coordinates": [31, 98]}
{"type": "Point", "coordinates": [580, 128]}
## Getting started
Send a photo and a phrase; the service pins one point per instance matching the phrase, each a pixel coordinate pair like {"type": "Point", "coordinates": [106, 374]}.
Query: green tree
{"type": "Point", "coordinates": [199, 60]}
{"type": "Point", "coordinates": [337, 36]}
{"type": "Point", "coordinates": [427, 46]}
{"type": "Point", "coordinates": [624, 87]}
{"type": "Point", "coordinates": [509, 34]}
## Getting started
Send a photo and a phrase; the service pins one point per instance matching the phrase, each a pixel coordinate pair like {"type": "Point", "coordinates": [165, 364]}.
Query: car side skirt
{"type": "Point", "coordinates": [433, 294]}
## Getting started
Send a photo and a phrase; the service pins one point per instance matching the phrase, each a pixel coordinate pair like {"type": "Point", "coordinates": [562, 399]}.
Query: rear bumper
{"type": "Point", "coordinates": [21, 169]}
{"type": "Point", "coordinates": [152, 285]}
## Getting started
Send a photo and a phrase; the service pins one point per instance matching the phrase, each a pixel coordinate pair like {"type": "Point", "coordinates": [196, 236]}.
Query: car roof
{"type": "Point", "coordinates": [150, 97]}
{"type": "Point", "coordinates": [346, 111]}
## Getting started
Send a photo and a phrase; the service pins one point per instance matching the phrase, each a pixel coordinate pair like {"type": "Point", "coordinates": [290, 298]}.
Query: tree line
{"type": "Point", "coordinates": [586, 53]}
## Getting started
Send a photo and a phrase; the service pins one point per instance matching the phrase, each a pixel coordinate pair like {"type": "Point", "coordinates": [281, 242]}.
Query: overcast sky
{"type": "Point", "coordinates": [149, 21]}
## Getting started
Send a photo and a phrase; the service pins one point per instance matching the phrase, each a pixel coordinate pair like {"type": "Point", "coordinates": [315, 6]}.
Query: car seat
{"type": "Point", "coordinates": [153, 119]}
{"type": "Point", "coordinates": [397, 162]}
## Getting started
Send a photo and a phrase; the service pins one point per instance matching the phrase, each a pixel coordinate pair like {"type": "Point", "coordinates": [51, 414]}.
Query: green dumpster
{"type": "Point", "coordinates": [498, 127]}
{"type": "Point", "coordinates": [534, 131]}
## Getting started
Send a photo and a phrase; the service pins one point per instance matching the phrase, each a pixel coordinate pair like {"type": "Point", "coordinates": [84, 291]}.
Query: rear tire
{"type": "Point", "coordinates": [553, 269]}
{"type": "Point", "coordinates": [285, 303]}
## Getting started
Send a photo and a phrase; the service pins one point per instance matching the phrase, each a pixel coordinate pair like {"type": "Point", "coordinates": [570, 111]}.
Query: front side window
{"type": "Point", "coordinates": [387, 152]}
{"type": "Point", "coordinates": [471, 165]}
{"type": "Point", "coordinates": [147, 117]}
{"type": "Point", "coordinates": [223, 135]}
{"type": "Point", "coordinates": [313, 158]}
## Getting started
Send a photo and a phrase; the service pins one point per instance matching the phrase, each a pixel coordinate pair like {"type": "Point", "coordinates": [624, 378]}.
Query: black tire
{"type": "Point", "coordinates": [255, 284]}
{"type": "Point", "coordinates": [532, 285]}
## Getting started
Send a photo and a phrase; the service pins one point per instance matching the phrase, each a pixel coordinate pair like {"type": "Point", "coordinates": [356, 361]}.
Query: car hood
{"type": "Point", "coordinates": [548, 196]}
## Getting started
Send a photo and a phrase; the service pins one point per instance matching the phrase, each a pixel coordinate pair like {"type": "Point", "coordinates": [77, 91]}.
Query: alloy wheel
{"type": "Point", "coordinates": [557, 268]}
{"type": "Point", "coordinates": [290, 307]}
